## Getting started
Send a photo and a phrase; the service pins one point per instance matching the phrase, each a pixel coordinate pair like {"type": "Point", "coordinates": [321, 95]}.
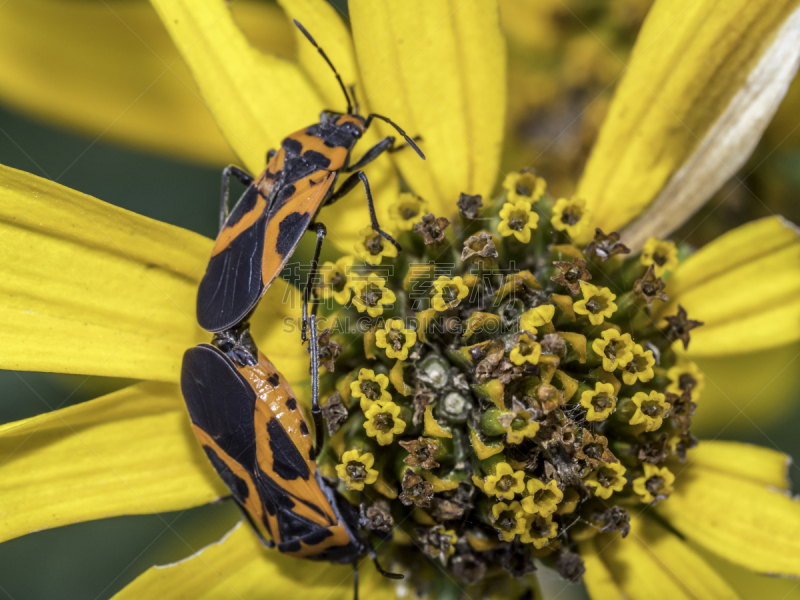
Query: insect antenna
{"type": "Point", "coordinates": [408, 140]}
{"type": "Point", "coordinates": [327, 60]}
{"type": "Point", "coordinates": [381, 570]}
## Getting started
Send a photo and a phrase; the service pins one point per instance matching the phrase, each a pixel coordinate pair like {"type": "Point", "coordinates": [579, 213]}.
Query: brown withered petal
{"type": "Point", "coordinates": [377, 517]}
{"type": "Point", "coordinates": [452, 505]}
{"type": "Point", "coordinates": [570, 566]}
{"type": "Point", "coordinates": [654, 451]}
{"type": "Point", "coordinates": [469, 568]}
{"type": "Point", "coordinates": [431, 228]}
{"type": "Point", "coordinates": [334, 412]}
{"type": "Point", "coordinates": [571, 274]}
{"type": "Point", "coordinates": [416, 490]}
{"type": "Point", "coordinates": [553, 343]}
{"type": "Point", "coordinates": [615, 518]}
{"type": "Point", "coordinates": [433, 542]}
{"type": "Point", "coordinates": [605, 246]}
{"type": "Point", "coordinates": [480, 248]}
{"type": "Point", "coordinates": [420, 453]}
{"type": "Point", "coordinates": [517, 560]}
{"type": "Point", "coordinates": [685, 443]}
{"type": "Point", "coordinates": [650, 287]}
{"type": "Point", "coordinates": [594, 449]}
{"type": "Point", "coordinates": [422, 398]}
{"type": "Point", "coordinates": [470, 206]}
{"type": "Point", "coordinates": [679, 327]}
{"type": "Point", "coordinates": [328, 350]}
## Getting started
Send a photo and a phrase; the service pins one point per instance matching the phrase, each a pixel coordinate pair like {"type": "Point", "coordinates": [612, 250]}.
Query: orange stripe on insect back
{"type": "Point", "coordinates": [309, 194]}
{"type": "Point", "coordinates": [339, 538]}
{"type": "Point", "coordinates": [227, 235]}
{"type": "Point", "coordinates": [252, 503]}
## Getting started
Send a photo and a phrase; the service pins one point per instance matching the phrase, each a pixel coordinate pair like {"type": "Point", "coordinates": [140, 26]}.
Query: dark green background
{"type": "Point", "coordinates": [94, 560]}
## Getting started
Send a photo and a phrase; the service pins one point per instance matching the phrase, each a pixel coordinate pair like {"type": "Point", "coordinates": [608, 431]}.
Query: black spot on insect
{"type": "Point", "coordinates": [317, 159]}
{"type": "Point", "coordinates": [292, 146]}
{"type": "Point", "coordinates": [291, 404]}
{"type": "Point", "coordinates": [274, 380]}
{"type": "Point", "coordinates": [290, 546]}
{"type": "Point", "coordinates": [288, 463]}
{"type": "Point", "coordinates": [303, 428]}
{"type": "Point", "coordinates": [291, 230]}
{"type": "Point", "coordinates": [312, 539]}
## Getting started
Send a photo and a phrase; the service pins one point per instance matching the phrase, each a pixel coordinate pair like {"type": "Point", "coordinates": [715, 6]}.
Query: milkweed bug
{"type": "Point", "coordinates": [266, 224]}
{"type": "Point", "coordinates": [253, 431]}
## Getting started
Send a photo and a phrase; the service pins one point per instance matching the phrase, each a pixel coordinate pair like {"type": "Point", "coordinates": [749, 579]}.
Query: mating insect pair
{"type": "Point", "coordinates": [243, 411]}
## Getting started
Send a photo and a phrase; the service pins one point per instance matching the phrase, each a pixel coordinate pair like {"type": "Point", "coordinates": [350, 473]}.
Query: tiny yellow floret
{"type": "Point", "coordinates": [527, 350]}
{"type": "Point", "coordinates": [356, 470]}
{"type": "Point", "coordinates": [395, 339]}
{"type": "Point", "coordinates": [570, 216]}
{"type": "Point", "coordinates": [600, 402]}
{"type": "Point", "coordinates": [655, 484]}
{"type": "Point", "coordinates": [370, 388]}
{"type": "Point", "coordinates": [371, 294]}
{"type": "Point", "coordinates": [383, 422]}
{"type": "Point", "coordinates": [662, 254]}
{"type": "Point", "coordinates": [615, 348]}
{"type": "Point", "coordinates": [650, 410]}
{"type": "Point", "coordinates": [372, 247]}
{"type": "Point", "coordinates": [407, 211]}
{"type": "Point", "coordinates": [607, 479]}
{"type": "Point", "coordinates": [517, 219]}
{"type": "Point", "coordinates": [336, 280]}
{"type": "Point", "coordinates": [448, 292]}
{"type": "Point", "coordinates": [597, 304]}
{"type": "Point", "coordinates": [542, 498]}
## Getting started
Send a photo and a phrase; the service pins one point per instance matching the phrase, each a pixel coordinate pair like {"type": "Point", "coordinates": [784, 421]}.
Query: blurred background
{"type": "Point", "coordinates": [93, 95]}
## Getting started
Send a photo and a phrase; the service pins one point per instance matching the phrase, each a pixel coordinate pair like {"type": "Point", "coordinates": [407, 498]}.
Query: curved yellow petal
{"type": "Point", "coordinates": [86, 287]}
{"type": "Point", "coordinates": [111, 69]}
{"type": "Point", "coordinates": [598, 579]}
{"type": "Point", "coordinates": [742, 389]}
{"type": "Point", "coordinates": [438, 70]}
{"type": "Point", "coordinates": [753, 463]}
{"type": "Point", "coordinates": [753, 586]}
{"type": "Point", "coordinates": [256, 98]}
{"type": "Point", "coordinates": [238, 566]}
{"type": "Point", "coordinates": [701, 86]}
{"type": "Point", "coordinates": [130, 452]}
{"type": "Point", "coordinates": [91, 288]}
{"type": "Point", "coordinates": [737, 518]}
{"type": "Point", "coordinates": [745, 287]}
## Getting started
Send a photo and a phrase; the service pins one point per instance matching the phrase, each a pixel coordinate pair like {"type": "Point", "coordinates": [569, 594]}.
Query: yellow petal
{"type": "Point", "coordinates": [737, 518]}
{"type": "Point", "coordinates": [438, 70]}
{"type": "Point", "coordinates": [754, 463]}
{"type": "Point", "coordinates": [93, 288]}
{"type": "Point", "coordinates": [238, 566]}
{"type": "Point", "coordinates": [130, 452]}
{"type": "Point", "coordinates": [701, 86]}
{"type": "Point", "coordinates": [745, 287]}
{"type": "Point", "coordinates": [753, 586]}
{"type": "Point", "coordinates": [111, 69]}
{"type": "Point", "coordinates": [98, 290]}
{"type": "Point", "coordinates": [598, 579]}
{"type": "Point", "coordinates": [256, 98]}
{"type": "Point", "coordinates": [757, 387]}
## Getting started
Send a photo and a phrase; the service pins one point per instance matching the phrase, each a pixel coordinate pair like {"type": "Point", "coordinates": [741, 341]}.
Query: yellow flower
{"type": "Point", "coordinates": [650, 410]}
{"type": "Point", "coordinates": [542, 498]}
{"type": "Point", "coordinates": [449, 292]}
{"type": "Point", "coordinates": [686, 376]}
{"type": "Point", "coordinates": [370, 294]}
{"type": "Point", "coordinates": [607, 479]}
{"type": "Point", "coordinates": [524, 186]}
{"type": "Point", "coordinates": [640, 367]}
{"type": "Point", "coordinates": [370, 388]}
{"type": "Point", "coordinates": [662, 254]}
{"type": "Point", "coordinates": [355, 469]}
{"type": "Point", "coordinates": [372, 247]}
{"type": "Point", "coordinates": [537, 317]}
{"type": "Point", "coordinates": [539, 530]}
{"type": "Point", "coordinates": [526, 350]}
{"type": "Point", "coordinates": [600, 402]}
{"type": "Point", "coordinates": [336, 280]}
{"type": "Point", "coordinates": [395, 339]}
{"type": "Point", "coordinates": [407, 211]}
{"type": "Point", "coordinates": [655, 484]}
{"type": "Point", "coordinates": [508, 519]}
{"type": "Point", "coordinates": [570, 216]}
{"type": "Point", "coordinates": [383, 421]}
{"type": "Point", "coordinates": [89, 297]}
{"type": "Point", "coordinates": [615, 348]}
{"type": "Point", "coordinates": [504, 483]}
{"type": "Point", "coordinates": [597, 304]}
{"type": "Point", "coordinates": [517, 219]}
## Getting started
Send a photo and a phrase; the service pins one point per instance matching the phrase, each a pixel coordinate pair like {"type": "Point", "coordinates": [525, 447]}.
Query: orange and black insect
{"type": "Point", "coordinates": [253, 431]}
{"type": "Point", "coordinates": [277, 208]}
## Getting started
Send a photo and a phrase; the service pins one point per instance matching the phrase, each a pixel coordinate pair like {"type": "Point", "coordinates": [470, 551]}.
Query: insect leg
{"type": "Point", "coordinates": [355, 581]}
{"type": "Point", "coordinates": [385, 144]}
{"type": "Point", "coordinates": [347, 186]}
{"type": "Point", "coordinates": [316, 413]}
{"type": "Point", "coordinates": [226, 179]}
